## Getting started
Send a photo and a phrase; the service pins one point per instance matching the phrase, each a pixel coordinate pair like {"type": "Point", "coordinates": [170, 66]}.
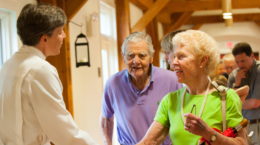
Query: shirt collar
{"type": "Point", "coordinates": [33, 50]}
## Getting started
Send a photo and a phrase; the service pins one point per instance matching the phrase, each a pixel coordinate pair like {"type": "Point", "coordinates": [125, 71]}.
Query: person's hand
{"type": "Point", "coordinates": [242, 92]}
{"type": "Point", "coordinates": [241, 74]}
{"type": "Point", "coordinates": [195, 125]}
{"type": "Point", "coordinates": [251, 103]}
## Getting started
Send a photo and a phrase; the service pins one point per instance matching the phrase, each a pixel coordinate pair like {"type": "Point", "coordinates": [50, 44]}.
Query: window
{"type": "Point", "coordinates": [108, 46]}
{"type": "Point", "coordinates": [107, 20]}
{"type": "Point", "coordinates": [8, 37]}
{"type": "Point", "coordinates": [108, 41]}
{"type": "Point", "coordinates": [1, 47]}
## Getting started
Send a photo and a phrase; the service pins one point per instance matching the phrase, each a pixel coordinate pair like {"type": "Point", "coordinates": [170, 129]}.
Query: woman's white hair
{"type": "Point", "coordinates": [137, 37]}
{"type": "Point", "coordinates": [203, 46]}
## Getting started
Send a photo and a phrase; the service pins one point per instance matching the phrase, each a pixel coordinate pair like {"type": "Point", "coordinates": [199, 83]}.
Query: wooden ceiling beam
{"type": "Point", "coordinates": [70, 7]}
{"type": "Point", "coordinates": [258, 23]}
{"type": "Point", "coordinates": [184, 17]}
{"type": "Point", "coordinates": [197, 26]}
{"type": "Point", "coordinates": [164, 18]}
{"type": "Point", "coordinates": [143, 4]}
{"type": "Point", "coordinates": [73, 7]}
{"type": "Point", "coordinates": [218, 18]}
{"type": "Point", "coordinates": [196, 5]}
{"type": "Point", "coordinates": [149, 15]}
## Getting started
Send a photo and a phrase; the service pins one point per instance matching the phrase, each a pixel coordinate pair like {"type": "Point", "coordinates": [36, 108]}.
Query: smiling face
{"type": "Point", "coordinates": [138, 59]}
{"type": "Point", "coordinates": [186, 65]}
{"type": "Point", "coordinates": [54, 42]}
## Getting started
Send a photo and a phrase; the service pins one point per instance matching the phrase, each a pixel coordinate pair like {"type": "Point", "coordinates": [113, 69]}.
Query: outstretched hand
{"type": "Point", "coordinates": [195, 125]}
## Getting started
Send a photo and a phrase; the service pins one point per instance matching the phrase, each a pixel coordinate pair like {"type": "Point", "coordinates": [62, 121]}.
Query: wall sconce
{"type": "Point", "coordinates": [82, 51]}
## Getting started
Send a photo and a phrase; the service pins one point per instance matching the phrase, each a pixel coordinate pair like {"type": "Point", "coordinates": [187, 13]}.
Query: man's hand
{"type": "Point", "coordinates": [251, 103]}
{"type": "Point", "coordinates": [241, 74]}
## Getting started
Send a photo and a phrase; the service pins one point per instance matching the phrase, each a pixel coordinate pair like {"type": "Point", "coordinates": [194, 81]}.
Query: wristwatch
{"type": "Point", "coordinates": [213, 138]}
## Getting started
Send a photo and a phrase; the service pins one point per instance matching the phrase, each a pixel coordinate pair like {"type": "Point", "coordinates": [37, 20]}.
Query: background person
{"type": "Point", "coordinates": [32, 107]}
{"type": "Point", "coordinates": [229, 62]}
{"type": "Point", "coordinates": [195, 57]}
{"type": "Point", "coordinates": [248, 73]}
{"type": "Point", "coordinates": [132, 96]}
{"type": "Point", "coordinates": [166, 45]}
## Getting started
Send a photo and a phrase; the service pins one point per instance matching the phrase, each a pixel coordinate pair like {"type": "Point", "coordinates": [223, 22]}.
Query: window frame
{"type": "Point", "coordinates": [8, 36]}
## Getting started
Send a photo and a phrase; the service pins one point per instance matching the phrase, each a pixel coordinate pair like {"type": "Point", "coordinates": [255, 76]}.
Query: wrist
{"type": "Point", "coordinates": [211, 136]}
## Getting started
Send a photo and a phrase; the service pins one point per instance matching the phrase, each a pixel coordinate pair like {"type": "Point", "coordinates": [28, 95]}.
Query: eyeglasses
{"type": "Point", "coordinates": [193, 108]}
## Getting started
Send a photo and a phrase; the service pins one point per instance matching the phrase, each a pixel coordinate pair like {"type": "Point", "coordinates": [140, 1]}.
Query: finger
{"type": "Point", "coordinates": [187, 126]}
{"type": "Point", "coordinates": [190, 116]}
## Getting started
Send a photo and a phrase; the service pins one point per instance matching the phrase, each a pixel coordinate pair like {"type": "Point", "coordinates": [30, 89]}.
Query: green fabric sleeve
{"type": "Point", "coordinates": [234, 107]}
{"type": "Point", "coordinates": [161, 115]}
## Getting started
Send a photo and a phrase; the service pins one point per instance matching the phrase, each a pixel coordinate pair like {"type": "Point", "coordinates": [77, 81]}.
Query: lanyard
{"type": "Point", "coordinates": [203, 104]}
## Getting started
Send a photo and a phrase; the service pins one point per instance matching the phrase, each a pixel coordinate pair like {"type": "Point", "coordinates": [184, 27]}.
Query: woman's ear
{"type": "Point", "coordinates": [204, 61]}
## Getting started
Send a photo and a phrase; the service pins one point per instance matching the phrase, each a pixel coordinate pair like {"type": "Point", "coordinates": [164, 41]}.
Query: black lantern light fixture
{"type": "Point", "coordinates": [82, 51]}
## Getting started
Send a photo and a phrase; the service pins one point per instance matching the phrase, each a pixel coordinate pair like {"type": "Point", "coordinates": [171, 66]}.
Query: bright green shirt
{"type": "Point", "coordinates": [169, 113]}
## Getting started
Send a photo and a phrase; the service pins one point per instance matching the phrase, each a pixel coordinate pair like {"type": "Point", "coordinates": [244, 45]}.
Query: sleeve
{"type": "Point", "coordinates": [161, 115]}
{"type": "Point", "coordinates": [107, 108]}
{"type": "Point", "coordinates": [47, 102]}
{"type": "Point", "coordinates": [234, 107]}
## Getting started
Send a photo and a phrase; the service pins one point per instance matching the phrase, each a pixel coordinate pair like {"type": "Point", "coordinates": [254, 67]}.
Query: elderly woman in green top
{"type": "Point", "coordinates": [193, 111]}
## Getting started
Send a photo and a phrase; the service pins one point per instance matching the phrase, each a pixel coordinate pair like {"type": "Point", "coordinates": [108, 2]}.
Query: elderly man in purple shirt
{"type": "Point", "coordinates": [132, 95]}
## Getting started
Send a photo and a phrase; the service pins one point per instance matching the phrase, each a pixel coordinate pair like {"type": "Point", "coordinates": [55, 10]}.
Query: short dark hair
{"type": "Point", "coordinates": [36, 20]}
{"type": "Point", "coordinates": [242, 47]}
{"type": "Point", "coordinates": [166, 43]}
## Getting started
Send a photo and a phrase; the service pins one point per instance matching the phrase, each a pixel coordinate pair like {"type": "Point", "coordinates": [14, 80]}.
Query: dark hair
{"type": "Point", "coordinates": [37, 20]}
{"type": "Point", "coordinates": [242, 47]}
{"type": "Point", "coordinates": [166, 43]}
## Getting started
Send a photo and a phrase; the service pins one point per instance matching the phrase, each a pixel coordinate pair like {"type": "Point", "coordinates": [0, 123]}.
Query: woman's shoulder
{"type": "Point", "coordinates": [232, 96]}
{"type": "Point", "coordinates": [175, 94]}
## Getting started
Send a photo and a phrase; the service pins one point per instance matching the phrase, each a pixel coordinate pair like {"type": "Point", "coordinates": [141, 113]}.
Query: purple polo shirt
{"type": "Point", "coordinates": [135, 109]}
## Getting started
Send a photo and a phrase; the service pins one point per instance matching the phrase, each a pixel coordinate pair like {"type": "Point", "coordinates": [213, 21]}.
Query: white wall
{"type": "Point", "coordinates": [15, 5]}
{"type": "Point", "coordinates": [243, 31]}
{"type": "Point", "coordinates": [87, 86]}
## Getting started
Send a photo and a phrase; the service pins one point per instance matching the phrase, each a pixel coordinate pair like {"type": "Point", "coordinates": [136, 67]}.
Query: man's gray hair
{"type": "Point", "coordinates": [137, 37]}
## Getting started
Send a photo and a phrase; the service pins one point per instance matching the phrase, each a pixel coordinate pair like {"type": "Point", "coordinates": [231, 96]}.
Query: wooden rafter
{"type": "Point", "coordinates": [258, 23]}
{"type": "Point", "coordinates": [196, 27]}
{"type": "Point", "coordinates": [196, 5]}
{"type": "Point", "coordinates": [143, 4]}
{"type": "Point", "coordinates": [73, 7]}
{"type": "Point", "coordinates": [150, 15]}
{"type": "Point", "coordinates": [182, 20]}
{"type": "Point", "coordinates": [218, 18]}
{"type": "Point", "coordinates": [164, 18]}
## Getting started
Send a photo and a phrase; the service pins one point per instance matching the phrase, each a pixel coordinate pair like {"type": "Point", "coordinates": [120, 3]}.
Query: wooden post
{"type": "Point", "coordinates": [152, 30]}
{"type": "Point", "coordinates": [123, 26]}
